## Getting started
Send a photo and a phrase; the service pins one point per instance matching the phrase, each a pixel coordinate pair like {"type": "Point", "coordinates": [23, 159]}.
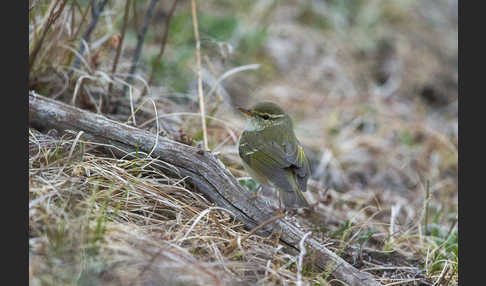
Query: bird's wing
{"type": "Point", "coordinates": [276, 160]}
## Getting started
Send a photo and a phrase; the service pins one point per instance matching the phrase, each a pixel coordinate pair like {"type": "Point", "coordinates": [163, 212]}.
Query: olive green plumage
{"type": "Point", "coordinates": [272, 154]}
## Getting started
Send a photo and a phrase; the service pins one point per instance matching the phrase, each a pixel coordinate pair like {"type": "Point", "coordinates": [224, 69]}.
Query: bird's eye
{"type": "Point", "coordinates": [265, 116]}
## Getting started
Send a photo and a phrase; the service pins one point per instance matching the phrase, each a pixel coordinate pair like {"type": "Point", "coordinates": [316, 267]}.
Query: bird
{"type": "Point", "coordinates": [272, 154]}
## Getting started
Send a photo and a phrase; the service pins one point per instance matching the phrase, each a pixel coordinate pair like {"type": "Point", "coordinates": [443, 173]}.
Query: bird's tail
{"type": "Point", "coordinates": [293, 199]}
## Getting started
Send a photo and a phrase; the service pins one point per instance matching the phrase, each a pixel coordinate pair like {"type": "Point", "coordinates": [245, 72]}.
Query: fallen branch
{"type": "Point", "coordinates": [207, 174]}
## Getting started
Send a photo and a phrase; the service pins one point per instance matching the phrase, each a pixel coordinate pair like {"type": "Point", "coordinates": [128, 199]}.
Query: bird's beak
{"type": "Point", "coordinates": [245, 111]}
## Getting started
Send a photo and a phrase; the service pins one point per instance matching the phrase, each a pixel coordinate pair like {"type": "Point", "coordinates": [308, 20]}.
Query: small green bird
{"type": "Point", "coordinates": [272, 155]}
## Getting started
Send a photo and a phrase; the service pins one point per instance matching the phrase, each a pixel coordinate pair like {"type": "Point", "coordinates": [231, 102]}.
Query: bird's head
{"type": "Point", "coordinates": [266, 114]}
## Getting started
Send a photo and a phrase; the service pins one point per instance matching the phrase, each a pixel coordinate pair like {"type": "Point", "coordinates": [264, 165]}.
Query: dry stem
{"type": "Point", "coordinates": [199, 80]}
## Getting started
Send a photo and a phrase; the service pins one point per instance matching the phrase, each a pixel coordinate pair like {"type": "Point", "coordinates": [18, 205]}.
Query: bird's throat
{"type": "Point", "coordinates": [259, 125]}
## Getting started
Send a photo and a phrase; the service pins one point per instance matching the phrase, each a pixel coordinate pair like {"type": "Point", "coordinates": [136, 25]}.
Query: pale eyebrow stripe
{"type": "Point", "coordinates": [270, 115]}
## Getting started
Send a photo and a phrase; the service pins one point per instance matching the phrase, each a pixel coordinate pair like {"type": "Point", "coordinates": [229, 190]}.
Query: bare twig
{"type": "Point", "coordinates": [135, 19]}
{"type": "Point", "coordinates": [234, 242]}
{"type": "Point", "coordinates": [162, 45]}
{"type": "Point", "coordinates": [120, 44]}
{"type": "Point", "coordinates": [138, 49]}
{"type": "Point", "coordinates": [95, 14]}
{"type": "Point", "coordinates": [199, 80]}
{"type": "Point", "coordinates": [83, 19]}
{"type": "Point", "coordinates": [53, 16]}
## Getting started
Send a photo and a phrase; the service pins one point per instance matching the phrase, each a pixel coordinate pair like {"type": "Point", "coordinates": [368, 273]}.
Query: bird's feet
{"type": "Point", "coordinates": [280, 211]}
{"type": "Point", "coordinates": [255, 193]}
{"type": "Point", "coordinates": [255, 196]}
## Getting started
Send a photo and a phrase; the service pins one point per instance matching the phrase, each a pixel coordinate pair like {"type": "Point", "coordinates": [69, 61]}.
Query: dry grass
{"type": "Point", "coordinates": [377, 121]}
{"type": "Point", "coordinates": [94, 218]}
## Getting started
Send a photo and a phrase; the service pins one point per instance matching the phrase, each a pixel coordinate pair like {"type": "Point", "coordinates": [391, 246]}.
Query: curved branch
{"type": "Point", "coordinates": [207, 174]}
